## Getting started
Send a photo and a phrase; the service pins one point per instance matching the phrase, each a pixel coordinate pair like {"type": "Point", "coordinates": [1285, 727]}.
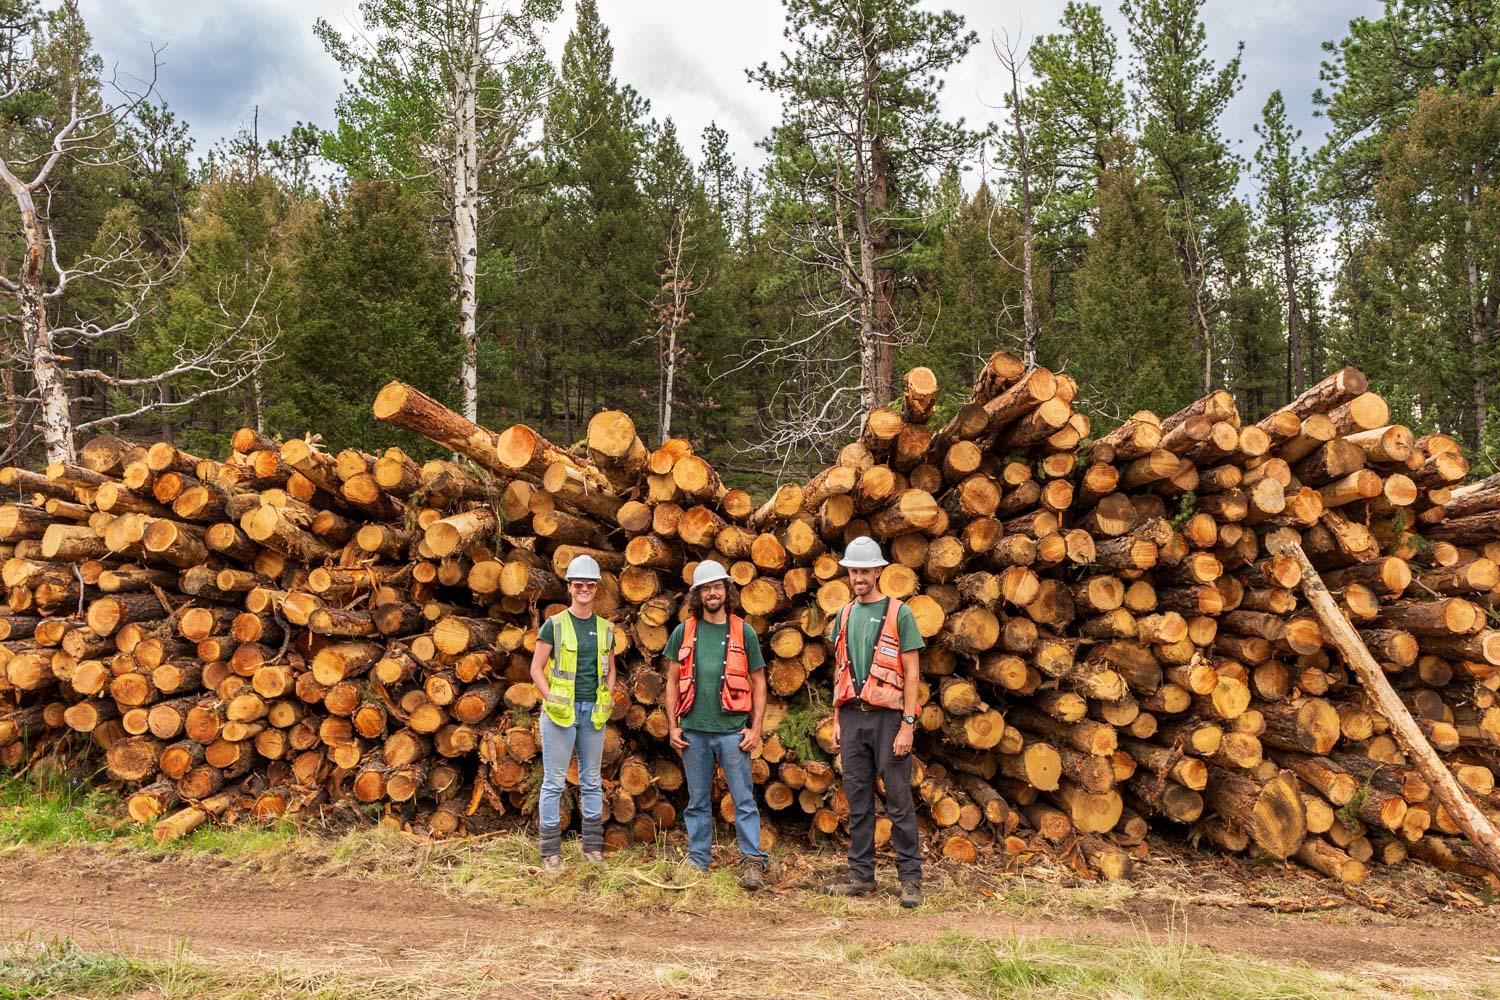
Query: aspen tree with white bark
{"type": "Point", "coordinates": [671, 314]}
{"type": "Point", "coordinates": [448, 91]}
{"type": "Point", "coordinates": [1013, 58]}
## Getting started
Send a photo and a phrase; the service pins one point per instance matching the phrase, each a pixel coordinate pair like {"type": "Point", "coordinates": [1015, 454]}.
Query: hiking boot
{"type": "Point", "coordinates": [753, 876]}
{"type": "Point", "coordinates": [552, 864]}
{"type": "Point", "coordinates": [593, 856]}
{"type": "Point", "coordinates": [850, 886]}
{"type": "Point", "coordinates": [911, 895]}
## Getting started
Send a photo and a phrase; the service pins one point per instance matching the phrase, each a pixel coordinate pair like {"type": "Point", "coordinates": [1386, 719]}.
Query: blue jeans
{"type": "Point", "coordinates": [698, 768]}
{"type": "Point", "coordinates": [558, 743]}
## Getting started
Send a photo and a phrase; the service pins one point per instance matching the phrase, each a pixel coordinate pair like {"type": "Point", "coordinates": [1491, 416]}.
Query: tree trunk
{"type": "Point", "coordinates": [1296, 380]}
{"type": "Point", "coordinates": [884, 277]}
{"type": "Point", "coordinates": [55, 420]}
{"type": "Point", "coordinates": [1478, 336]}
{"type": "Point", "coordinates": [1028, 287]}
{"type": "Point", "coordinates": [465, 167]}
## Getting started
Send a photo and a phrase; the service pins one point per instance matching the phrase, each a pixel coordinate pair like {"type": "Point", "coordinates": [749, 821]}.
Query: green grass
{"type": "Point", "coordinates": [54, 809]}
{"type": "Point", "coordinates": [56, 813]}
{"type": "Point", "coordinates": [32, 970]}
{"type": "Point", "coordinates": [1044, 967]}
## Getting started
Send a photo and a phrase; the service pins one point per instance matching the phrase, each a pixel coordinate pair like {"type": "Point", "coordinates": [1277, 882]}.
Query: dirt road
{"type": "Point", "coordinates": [218, 911]}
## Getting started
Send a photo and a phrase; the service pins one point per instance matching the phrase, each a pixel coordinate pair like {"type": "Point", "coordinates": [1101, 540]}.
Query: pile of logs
{"type": "Point", "coordinates": [1111, 643]}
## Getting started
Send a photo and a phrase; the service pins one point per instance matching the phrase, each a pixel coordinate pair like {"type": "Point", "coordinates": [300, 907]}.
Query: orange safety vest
{"type": "Point", "coordinates": [885, 687]}
{"type": "Point", "coordinates": [734, 686]}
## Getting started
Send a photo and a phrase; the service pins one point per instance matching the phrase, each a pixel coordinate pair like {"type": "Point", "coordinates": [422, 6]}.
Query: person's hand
{"type": "Point", "coordinates": [543, 691]}
{"type": "Point", "coordinates": [675, 737]}
{"type": "Point", "coordinates": [749, 739]}
{"type": "Point", "coordinates": [838, 736]}
{"type": "Point", "coordinates": [902, 746]}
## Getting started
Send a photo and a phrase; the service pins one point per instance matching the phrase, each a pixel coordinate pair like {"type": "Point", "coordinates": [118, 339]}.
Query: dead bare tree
{"type": "Point", "coordinates": [815, 382]}
{"type": "Point", "coordinates": [58, 69]}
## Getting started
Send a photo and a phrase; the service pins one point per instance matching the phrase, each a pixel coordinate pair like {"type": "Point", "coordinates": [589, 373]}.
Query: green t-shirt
{"type": "Point", "coordinates": [864, 628]}
{"type": "Point", "coordinates": [707, 714]}
{"type": "Point", "coordinates": [586, 684]}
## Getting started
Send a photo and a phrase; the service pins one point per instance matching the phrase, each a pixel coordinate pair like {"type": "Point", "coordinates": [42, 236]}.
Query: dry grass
{"type": "Point", "coordinates": [799, 946]}
{"type": "Point", "coordinates": [821, 967]}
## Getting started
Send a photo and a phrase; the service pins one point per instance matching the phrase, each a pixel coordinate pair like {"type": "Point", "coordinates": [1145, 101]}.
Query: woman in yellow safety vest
{"type": "Point", "coordinates": [575, 685]}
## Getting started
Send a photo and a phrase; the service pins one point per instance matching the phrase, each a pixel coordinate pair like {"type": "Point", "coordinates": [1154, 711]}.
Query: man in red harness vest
{"type": "Point", "coordinates": [716, 698]}
{"type": "Point", "coordinates": [875, 678]}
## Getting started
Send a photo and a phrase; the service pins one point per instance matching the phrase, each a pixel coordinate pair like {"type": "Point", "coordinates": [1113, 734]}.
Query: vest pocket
{"type": "Point", "coordinates": [886, 676]}
{"type": "Point", "coordinates": [736, 692]}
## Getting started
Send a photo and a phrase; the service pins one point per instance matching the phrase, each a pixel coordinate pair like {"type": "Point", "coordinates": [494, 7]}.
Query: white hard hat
{"type": "Point", "coordinates": [709, 571]}
{"type": "Point", "coordinates": [863, 553]}
{"type": "Point", "coordinates": [583, 568]}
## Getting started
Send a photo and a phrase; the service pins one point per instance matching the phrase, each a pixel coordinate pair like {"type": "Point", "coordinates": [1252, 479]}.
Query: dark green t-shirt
{"type": "Point", "coordinates": [707, 714]}
{"type": "Point", "coordinates": [586, 685]}
{"type": "Point", "coordinates": [864, 628]}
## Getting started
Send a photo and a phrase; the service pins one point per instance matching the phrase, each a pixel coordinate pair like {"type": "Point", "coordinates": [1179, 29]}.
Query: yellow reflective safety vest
{"type": "Point", "coordinates": [562, 668]}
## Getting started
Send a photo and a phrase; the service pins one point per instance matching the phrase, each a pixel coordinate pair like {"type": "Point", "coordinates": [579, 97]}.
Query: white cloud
{"type": "Point", "coordinates": [688, 57]}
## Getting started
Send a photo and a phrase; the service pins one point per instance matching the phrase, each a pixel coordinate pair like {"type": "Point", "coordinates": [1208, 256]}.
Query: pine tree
{"type": "Point", "coordinates": [1408, 182]}
{"type": "Point", "coordinates": [1077, 114]}
{"type": "Point", "coordinates": [1376, 73]}
{"type": "Point", "coordinates": [1287, 213]}
{"type": "Point", "coordinates": [241, 230]}
{"type": "Point", "coordinates": [860, 129]}
{"type": "Point", "coordinates": [599, 241]}
{"type": "Point", "coordinates": [1180, 97]}
{"type": "Point", "coordinates": [1255, 368]}
{"type": "Point", "coordinates": [972, 296]}
{"type": "Point", "coordinates": [719, 172]}
{"type": "Point", "coordinates": [368, 301]}
{"type": "Point", "coordinates": [448, 91]}
{"type": "Point", "coordinates": [1436, 202]}
{"type": "Point", "coordinates": [1135, 346]}
{"type": "Point", "coordinates": [159, 179]}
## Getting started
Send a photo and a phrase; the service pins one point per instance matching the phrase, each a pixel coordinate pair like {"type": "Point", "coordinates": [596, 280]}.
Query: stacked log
{"type": "Point", "coordinates": [1112, 645]}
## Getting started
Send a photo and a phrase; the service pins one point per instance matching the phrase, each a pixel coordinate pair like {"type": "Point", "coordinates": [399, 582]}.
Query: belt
{"type": "Point", "coordinates": [865, 706]}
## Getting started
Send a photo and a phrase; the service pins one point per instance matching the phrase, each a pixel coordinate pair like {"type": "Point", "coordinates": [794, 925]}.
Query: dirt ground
{"type": "Point", "coordinates": [215, 910]}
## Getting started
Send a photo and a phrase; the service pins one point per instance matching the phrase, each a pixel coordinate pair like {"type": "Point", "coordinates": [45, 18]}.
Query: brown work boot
{"type": "Point", "coordinates": [911, 895]}
{"type": "Point", "coordinates": [752, 876]}
{"type": "Point", "coordinates": [850, 886]}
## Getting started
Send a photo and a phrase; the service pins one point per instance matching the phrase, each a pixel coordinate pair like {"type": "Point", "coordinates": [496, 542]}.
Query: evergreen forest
{"type": "Point", "coordinates": [530, 240]}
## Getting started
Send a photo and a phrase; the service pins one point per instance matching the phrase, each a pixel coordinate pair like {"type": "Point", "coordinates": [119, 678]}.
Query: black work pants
{"type": "Point", "coordinates": [865, 752]}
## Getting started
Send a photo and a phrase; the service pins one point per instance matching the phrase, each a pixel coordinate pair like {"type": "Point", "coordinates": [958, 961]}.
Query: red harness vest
{"type": "Point", "coordinates": [734, 687]}
{"type": "Point", "coordinates": [885, 686]}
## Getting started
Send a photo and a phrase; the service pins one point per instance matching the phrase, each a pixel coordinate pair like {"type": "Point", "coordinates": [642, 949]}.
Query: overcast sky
{"type": "Point", "coordinates": [222, 58]}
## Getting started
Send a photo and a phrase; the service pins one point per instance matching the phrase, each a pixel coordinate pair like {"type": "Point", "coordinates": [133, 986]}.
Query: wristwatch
{"type": "Point", "coordinates": [910, 720]}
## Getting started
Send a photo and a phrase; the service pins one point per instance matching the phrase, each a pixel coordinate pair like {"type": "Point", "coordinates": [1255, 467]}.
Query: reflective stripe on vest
{"type": "Point", "coordinates": [562, 670]}
{"type": "Point", "coordinates": [734, 682]}
{"type": "Point", "coordinates": [885, 687]}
